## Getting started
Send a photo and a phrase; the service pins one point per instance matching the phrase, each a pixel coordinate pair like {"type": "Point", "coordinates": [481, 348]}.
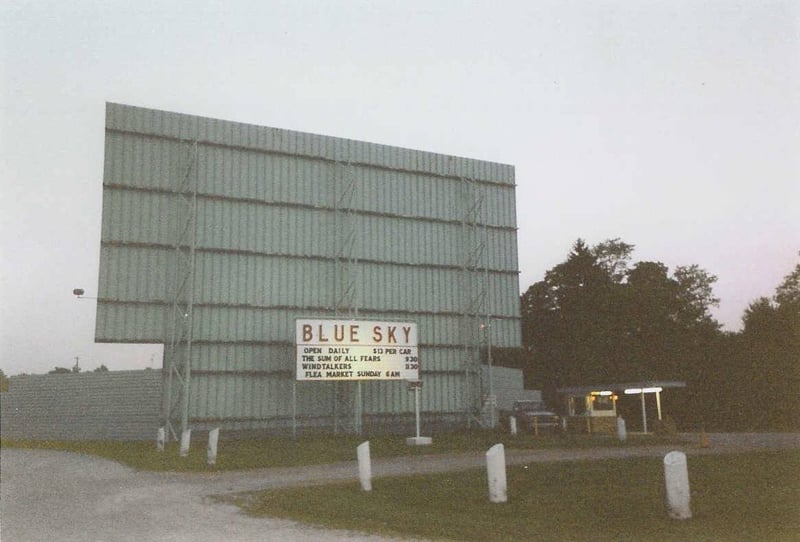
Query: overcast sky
{"type": "Point", "coordinates": [674, 125]}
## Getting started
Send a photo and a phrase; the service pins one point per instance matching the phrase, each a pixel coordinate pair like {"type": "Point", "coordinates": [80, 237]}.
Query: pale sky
{"type": "Point", "coordinates": [674, 125]}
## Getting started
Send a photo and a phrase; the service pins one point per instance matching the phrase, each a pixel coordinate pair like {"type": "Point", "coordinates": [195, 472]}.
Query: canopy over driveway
{"type": "Point", "coordinates": [628, 388]}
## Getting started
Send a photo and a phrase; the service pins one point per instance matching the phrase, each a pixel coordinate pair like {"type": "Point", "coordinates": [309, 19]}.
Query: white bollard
{"type": "Point", "coordinates": [364, 466]}
{"type": "Point", "coordinates": [186, 437]}
{"type": "Point", "coordinates": [676, 477]}
{"type": "Point", "coordinates": [512, 423]}
{"type": "Point", "coordinates": [161, 437]}
{"type": "Point", "coordinates": [213, 438]}
{"type": "Point", "coordinates": [496, 471]}
{"type": "Point", "coordinates": [622, 433]}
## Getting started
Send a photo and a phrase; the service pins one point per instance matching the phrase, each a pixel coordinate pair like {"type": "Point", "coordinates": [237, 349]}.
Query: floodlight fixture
{"type": "Point", "coordinates": [79, 293]}
{"type": "Point", "coordinates": [634, 391]}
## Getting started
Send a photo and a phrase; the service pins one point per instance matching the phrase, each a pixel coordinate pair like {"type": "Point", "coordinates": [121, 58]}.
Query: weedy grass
{"type": "Point", "coordinates": [741, 497]}
{"type": "Point", "coordinates": [287, 452]}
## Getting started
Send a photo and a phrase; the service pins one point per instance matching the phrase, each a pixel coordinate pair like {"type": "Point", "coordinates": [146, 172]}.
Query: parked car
{"type": "Point", "coordinates": [533, 417]}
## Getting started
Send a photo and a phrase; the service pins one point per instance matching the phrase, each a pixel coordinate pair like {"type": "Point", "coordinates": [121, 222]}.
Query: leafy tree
{"type": "Point", "coordinates": [787, 295]}
{"type": "Point", "coordinates": [759, 316]}
{"type": "Point", "coordinates": [614, 257]}
{"type": "Point", "coordinates": [696, 294]}
{"type": "Point", "coordinates": [563, 320]}
{"type": "Point", "coordinates": [3, 381]}
{"type": "Point", "coordinates": [649, 316]}
{"type": "Point", "coordinates": [59, 370]}
{"type": "Point", "coordinates": [596, 318]}
{"type": "Point", "coordinates": [101, 369]}
{"type": "Point", "coordinates": [752, 379]}
{"type": "Point", "coordinates": [768, 358]}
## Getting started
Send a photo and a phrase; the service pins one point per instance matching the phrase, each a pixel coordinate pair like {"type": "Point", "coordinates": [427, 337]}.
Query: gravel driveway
{"type": "Point", "coordinates": [63, 496]}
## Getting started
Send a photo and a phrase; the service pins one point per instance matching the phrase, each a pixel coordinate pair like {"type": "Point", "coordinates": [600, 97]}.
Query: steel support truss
{"type": "Point", "coordinates": [347, 395]}
{"type": "Point", "coordinates": [475, 293]}
{"type": "Point", "coordinates": [178, 351]}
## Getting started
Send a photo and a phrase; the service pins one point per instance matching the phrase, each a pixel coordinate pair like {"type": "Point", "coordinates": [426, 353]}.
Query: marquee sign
{"type": "Point", "coordinates": [356, 350]}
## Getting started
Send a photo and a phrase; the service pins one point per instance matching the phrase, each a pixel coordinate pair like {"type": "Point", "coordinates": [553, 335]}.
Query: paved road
{"type": "Point", "coordinates": [62, 496]}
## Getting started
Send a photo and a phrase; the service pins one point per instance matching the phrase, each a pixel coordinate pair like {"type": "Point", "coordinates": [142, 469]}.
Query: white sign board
{"type": "Point", "coordinates": [356, 350]}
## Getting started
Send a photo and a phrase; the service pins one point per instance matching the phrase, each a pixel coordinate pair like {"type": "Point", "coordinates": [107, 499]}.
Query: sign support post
{"type": "Point", "coordinates": [416, 407]}
{"type": "Point", "coordinates": [416, 387]}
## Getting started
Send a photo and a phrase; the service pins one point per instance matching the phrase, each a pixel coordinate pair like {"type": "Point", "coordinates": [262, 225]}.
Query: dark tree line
{"type": "Point", "coordinates": [76, 369]}
{"type": "Point", "coordinates": [599, 318]}
{"type": "Point", "coordinates": [757, 374]}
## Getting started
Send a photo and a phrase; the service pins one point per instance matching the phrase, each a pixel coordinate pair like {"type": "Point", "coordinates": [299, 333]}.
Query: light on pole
{"type": "Point", "coordinates": [79, 293]}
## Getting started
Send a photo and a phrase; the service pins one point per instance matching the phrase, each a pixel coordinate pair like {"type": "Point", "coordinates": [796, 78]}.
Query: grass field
{"type": "Point", "coordinates": [742, 497]}
{"type": "Point", "coordinates": [754, 496]}
{"type": "Point", "coordinates": [287, 452]}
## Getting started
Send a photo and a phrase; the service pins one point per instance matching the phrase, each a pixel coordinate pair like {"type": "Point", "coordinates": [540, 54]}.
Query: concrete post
{"type": "Point", "coordinates": [161, 437]}
{"type": "Point", "coordinates": [676, 477]}
{"type": "Point", "coordinates": [622, 432]}
{"type": "Point", "coordinates": [658, 404]}
{"type": "Point", "coordinates": [496, 471]}
{"type": "Point", "coordinates": [512, 423]}
{"type": "Point", "coordinates": [213, 438]}
{"type": "Point", "coordinates": [364, 466]}
{"type": "Point", "coordinates": [186, 437]}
